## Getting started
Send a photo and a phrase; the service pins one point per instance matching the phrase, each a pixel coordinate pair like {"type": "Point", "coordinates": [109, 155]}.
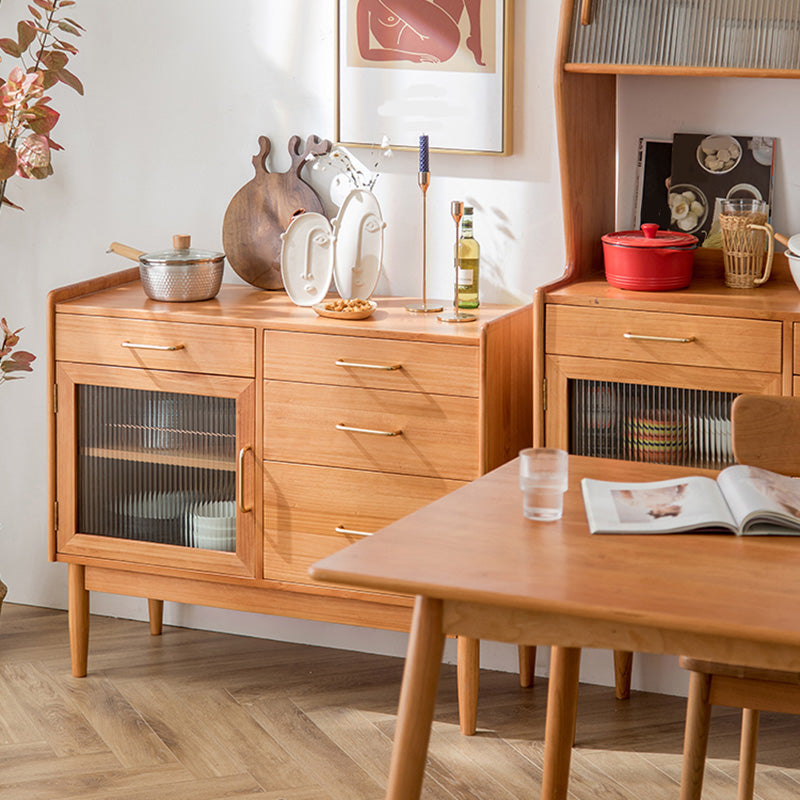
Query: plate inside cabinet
{"type": "Point", "coordinates": [359, 245]}
{"type": "Point", "coordinates": [359, 313]}
{"type": "Point", "coordinates": [307, 251]}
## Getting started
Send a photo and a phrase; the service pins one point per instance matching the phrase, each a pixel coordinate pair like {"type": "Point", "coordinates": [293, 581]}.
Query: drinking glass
{"type": "Point", "coordinates": [543, 481]}
{"type": "Point", "coordinates": [746, 236]}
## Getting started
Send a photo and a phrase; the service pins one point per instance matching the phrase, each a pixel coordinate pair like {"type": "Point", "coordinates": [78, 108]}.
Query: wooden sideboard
{"type": "Point", "coordinates": [608, 361]}
{"type": "Point", "coordinates": [316, 431]}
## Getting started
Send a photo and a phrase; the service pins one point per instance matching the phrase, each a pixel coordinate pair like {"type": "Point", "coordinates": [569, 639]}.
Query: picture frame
{"type": "Point", "coordinates": [437, 67]}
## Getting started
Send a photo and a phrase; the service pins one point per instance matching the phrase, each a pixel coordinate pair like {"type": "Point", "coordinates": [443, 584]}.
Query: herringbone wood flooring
{"type": "Point", "coordinates": [197, 716]}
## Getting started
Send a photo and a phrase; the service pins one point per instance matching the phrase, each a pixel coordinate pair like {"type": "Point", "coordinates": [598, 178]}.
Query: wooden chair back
{"type": "Point", "coordinates": [766, 432]}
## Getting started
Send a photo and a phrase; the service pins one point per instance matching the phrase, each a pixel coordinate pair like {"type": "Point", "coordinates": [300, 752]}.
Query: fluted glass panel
{"type": "Point", "coordinates": [733, 34]}
{"type": "Point", "coordinates": [688, 427]}
{"type": "Point", "coordinates": [157, 467]}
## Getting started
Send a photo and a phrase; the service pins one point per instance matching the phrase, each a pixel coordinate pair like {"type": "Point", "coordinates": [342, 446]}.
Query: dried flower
{"type": "Point", "coordinates": [10, 360]}
{"type": "Point", "coordinates": [26, 118]}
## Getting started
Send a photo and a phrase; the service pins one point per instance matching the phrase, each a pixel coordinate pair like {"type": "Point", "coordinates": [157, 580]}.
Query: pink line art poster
{"type": "Point", "coordinates": [439, 67]}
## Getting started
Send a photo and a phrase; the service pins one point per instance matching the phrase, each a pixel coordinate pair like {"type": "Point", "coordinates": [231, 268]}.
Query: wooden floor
{"type": "Point", "coordinates": [196, 716]}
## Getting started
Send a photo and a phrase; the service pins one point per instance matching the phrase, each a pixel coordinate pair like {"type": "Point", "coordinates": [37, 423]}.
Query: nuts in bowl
{"type": "Point", "coordinates": [354, 308]}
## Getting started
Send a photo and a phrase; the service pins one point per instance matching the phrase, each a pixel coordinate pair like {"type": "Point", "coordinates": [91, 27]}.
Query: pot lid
{"type": "Point", "coordinates": [182, 253]}
{"type": "Point", "coordinates": [650, 236]}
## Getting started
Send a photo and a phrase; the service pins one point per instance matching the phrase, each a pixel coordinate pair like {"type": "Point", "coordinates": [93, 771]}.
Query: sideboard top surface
{"type": "Point", "coordinates": [246, 305]}
{"type": "Point", "coordinates": [706, 295]}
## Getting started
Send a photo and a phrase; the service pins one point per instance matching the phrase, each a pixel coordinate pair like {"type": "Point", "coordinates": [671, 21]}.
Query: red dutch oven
{"type": "Point", "coordinates": [649, 260]}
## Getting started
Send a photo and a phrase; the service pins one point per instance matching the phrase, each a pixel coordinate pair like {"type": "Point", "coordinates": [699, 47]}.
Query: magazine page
{"type": "Point", "coordinates": [681, 504]}
{"type": "Point", "coordinates": [762, 502]}
{"type": "Point", "coordinates": [708, 166]}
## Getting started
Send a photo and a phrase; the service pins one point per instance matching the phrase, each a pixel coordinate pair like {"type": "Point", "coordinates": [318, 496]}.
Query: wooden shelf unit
{"type": "Point", "coordinates": [736, 340]}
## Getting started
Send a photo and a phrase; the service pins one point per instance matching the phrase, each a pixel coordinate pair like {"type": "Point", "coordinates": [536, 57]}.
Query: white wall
{"type": "Point", "coordinates": [177, 93]}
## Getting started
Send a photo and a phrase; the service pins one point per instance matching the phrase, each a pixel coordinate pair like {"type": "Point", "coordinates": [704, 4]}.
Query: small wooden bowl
{"type": "Point", "coordinates": [362, 313]}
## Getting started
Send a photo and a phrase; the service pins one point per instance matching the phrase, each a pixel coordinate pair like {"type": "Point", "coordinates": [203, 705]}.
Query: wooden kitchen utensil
{"type": "Point", "coordinates": [263, 208]}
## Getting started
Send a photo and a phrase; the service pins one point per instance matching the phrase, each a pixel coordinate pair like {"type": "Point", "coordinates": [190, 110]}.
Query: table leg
{"type": "Point", "coordinates": [468, 676]}
{"type": "Point", "coordinates": [562, 708]}
{"type": "Point", "coordinates": [417, 701]}
{"type": "Point", "coordinates": [155, 610]}
{"type": "Point", "coordinates": [78, 619]}
{"type": "Point", "coordinates": [695, 739]}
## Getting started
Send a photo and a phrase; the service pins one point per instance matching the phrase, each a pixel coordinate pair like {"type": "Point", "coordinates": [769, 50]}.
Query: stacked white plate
{"type": "Point", "coordinates": [213, 525]}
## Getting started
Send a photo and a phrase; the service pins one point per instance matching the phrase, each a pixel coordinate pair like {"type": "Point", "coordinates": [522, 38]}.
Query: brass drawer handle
{"type": "Point", "coordinates": [240, 482]}
{"type": "Point", "coordinates": [349, 532]}
{"type": "Point", "coordinates": [342, 427]}
{"type": "Point", "coordinates": [586, 12]}
{"type": "Point", "coordinates": [389, 367]}
{"type": "Point", "coordinates": [680, 340]}
{"type": "Point", "coordinates": [136, 346]}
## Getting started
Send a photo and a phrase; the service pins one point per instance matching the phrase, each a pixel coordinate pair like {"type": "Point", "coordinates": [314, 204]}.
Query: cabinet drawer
{"type": "Point", "coordinates": [304, 506]}
{"type": "Point", "coordinates": [377, 363]}
{"type": "Point", "coordinates": [725, 342]}
{"type": "Point", "coordinates": [200, 348]}
{"type": "Point", "coordinates": [435, 435]}
{"type": "Point", "coordinates": [796, 349]}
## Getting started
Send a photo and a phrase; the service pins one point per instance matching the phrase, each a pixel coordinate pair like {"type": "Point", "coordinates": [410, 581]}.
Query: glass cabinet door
{"type": "Point", "coordinates": [725, 34]}
{"type": "Point", "coordinates": [156, 464]}
{"type": "Point", "coordinates": [632, 411]}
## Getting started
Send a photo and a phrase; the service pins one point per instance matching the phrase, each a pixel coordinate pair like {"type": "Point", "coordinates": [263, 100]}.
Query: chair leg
{"type": "Point", "coordinates": [527, 664]}
{"type": "Point", "coordinates": [623, 667]}
{"type": "Point", "coordinates": [468, 671]}
{"type": "Point", "coordinates": [695, 740]}
{"type": "Point", "coordinates": [747, 754]}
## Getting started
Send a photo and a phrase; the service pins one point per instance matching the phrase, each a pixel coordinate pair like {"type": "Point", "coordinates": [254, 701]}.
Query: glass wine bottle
{"type": "Point", "coordinates": [469, 255]}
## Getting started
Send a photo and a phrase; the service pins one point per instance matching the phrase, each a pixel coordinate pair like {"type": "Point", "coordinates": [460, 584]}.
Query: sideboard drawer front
{"type": "Point", "coordinates": [724, 342]}
{"type": "Point", "coordinates": [311, 512]}
{"type": "Point", "coordinates": [796, 349]}
{"type": "Point", "coordinates": [376, 363]}
{"type": "Point", "coordinates": [435, 435]}
{"type": "Point", "coordinates": [213, 349]}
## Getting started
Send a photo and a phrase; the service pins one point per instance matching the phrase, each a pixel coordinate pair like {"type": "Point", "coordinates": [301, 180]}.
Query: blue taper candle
{"type": "Point", "coordinates": [423, 153]}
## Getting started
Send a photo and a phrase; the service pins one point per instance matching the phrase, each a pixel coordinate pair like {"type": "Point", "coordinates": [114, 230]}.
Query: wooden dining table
{"type": "Point", "coordinates": [479, 569]}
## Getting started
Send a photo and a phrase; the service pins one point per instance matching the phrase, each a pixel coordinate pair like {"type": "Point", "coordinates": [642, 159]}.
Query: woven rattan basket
{"type": "Point", "coordinates": [745, 242]}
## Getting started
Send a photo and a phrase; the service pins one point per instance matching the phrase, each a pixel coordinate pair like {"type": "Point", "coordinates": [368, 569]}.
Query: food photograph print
{"type": "Point", "coordinates": [435, 67]}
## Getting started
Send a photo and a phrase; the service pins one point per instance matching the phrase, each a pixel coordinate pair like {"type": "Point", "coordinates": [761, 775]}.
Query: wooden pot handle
{"type": "Point", "coordinates": [125, 250]}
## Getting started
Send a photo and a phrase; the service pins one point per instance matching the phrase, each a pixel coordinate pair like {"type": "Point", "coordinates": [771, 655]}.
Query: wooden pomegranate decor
{"type": "Point", "coordinates": [263, 208]}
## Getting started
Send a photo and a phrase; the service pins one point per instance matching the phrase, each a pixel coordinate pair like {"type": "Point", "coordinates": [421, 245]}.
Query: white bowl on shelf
{"type": "Point", "coordinates": [213, 525]}
{"type": "Point", "coordinates": [794, 266]}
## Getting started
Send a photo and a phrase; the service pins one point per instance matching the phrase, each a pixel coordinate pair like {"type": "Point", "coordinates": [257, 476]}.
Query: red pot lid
{"type": "Point", "coordinates": [650, 236]}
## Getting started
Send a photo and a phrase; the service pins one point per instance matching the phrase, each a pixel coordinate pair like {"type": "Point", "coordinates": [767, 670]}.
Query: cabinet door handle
{"type": "Point", "coordinates": [342, 427]}
{"type": "Point", "coordinates": [240, 481]}
{"type": "Point", "coordinates": [349, 532]}
{"type": "Point", "coordinates": [679, 339]}
{"type": "Point", "coordinates": [586, 12]}
{"type": "Point", "coordinates": [389, 367]}
{"type": "Point", "coordinates": [137, 346]}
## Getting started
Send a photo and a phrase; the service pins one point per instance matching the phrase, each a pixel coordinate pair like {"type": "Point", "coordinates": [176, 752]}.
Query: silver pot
{"type": "Point", "coordinates": [182, 274]}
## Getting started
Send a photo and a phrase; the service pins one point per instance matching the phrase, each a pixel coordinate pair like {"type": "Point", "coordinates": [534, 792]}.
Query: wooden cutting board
{"type": "Point", "coordinates": [263, 208]}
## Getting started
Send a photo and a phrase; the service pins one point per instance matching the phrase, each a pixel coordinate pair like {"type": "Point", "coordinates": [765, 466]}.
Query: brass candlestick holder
{"type": "Point", "coordinates": [424, 182]}
{"type": "Point", "coordinates": [456, 212]}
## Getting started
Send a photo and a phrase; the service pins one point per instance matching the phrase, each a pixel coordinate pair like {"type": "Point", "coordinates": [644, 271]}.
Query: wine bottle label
{"type": "Point", "coordinates": [465, 277]}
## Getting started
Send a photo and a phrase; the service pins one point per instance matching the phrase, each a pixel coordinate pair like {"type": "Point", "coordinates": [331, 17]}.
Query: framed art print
{"type": "Point", "coordinates": [438, 67]}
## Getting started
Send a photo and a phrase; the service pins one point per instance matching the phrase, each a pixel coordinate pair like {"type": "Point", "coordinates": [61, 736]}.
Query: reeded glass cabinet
{"type": "Point", "coordinates": [661, 413]}
{"type": "Point", "coordinates": [716, 34]}
{"type": "Point", "coordinates": [157, 463]}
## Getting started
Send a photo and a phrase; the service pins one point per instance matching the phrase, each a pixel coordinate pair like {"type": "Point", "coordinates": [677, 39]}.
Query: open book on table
{"type": "Point", "coordinates": [742, 500]}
